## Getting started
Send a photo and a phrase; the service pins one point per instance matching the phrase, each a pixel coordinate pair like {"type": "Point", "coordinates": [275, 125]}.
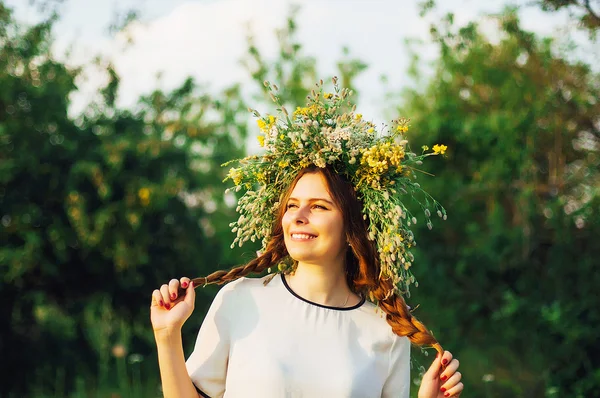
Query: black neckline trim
{"type": "Point", "coordinates": [289, 289]}
{"type": "Point", "coordinates": [200, 391]}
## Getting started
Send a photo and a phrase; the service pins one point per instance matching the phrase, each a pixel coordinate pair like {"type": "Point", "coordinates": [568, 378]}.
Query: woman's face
{"type": "Point", "coordinates": [313, 225]}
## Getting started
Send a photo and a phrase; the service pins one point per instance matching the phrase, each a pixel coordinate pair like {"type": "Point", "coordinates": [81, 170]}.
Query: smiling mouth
{"type": "Point", "coordinates": [302, 237]}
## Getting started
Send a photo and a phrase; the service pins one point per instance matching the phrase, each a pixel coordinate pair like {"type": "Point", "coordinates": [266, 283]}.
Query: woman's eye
{"type": "Point", "coordinates": [289, 206]}
{"type": "Point", "coordinates": [320, 207]}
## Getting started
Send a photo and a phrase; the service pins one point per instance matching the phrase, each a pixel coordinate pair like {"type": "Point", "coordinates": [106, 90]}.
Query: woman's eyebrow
{"type": "Point", "coordinates": [315, 200]}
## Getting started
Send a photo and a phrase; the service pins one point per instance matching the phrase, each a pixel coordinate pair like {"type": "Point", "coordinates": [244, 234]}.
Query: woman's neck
{"type": "Point", "coordinates": [321, 285]}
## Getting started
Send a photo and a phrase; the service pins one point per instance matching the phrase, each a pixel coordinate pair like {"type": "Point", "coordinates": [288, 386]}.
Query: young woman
{"type": "Point", "coordinates": [308, 331]}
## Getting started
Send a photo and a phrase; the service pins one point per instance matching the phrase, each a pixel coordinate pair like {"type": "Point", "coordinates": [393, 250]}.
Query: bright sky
{"type": "Point", "coordinates": [206, 39]}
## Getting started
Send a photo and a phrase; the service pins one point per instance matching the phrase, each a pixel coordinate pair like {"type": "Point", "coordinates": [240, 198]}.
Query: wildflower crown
{"type": "Point", "coordinates": [328, 131]}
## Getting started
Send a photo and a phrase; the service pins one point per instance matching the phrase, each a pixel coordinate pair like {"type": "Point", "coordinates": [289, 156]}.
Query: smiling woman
{"type": "Point", "coordinates": [334, 322]}
{"type": "Point", "coordinates": [313, 225]}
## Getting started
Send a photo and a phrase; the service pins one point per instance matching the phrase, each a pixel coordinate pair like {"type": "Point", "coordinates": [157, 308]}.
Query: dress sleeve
{"type": "Point", "coordinates": [207, 365]}
{"type": "Point", "coordinates": [397, 384]}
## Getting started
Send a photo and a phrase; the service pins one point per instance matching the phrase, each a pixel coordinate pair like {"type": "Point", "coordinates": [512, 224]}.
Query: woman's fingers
{"type": "Point", "coordinates": [173, 288]}
{"type": "Point", "coordinates": [185, 282]}
{"type": "Point", "coordinates": [446, 358]}
{"type": "Point", "coordinates": [452, 381]}
{"type": "Point", "coordinates": [157, 298]}
{"type": "Point", "coordinates": [166, 295]}
{"type": "Point", "coordinates": [454, 391]}
{"type": "Point", "coordinates": [451, 376]}
{"type": "Point", "coordinates": [190, 294]}
{"type": "Point", "coordinates": [450, 369]}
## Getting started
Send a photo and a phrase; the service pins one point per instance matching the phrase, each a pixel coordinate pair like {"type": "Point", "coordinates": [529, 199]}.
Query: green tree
{"type": "Point", "coordinates": [509, 281]}
{"type": "Point", "coordinates": [586, 11]}
{"type": "Point", "coordinates": [97, 210]}
{"type": "Point", "coordinates": [294, 72]}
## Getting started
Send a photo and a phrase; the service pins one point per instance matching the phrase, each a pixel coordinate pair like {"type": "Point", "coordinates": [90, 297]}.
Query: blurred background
{"type": "Point", "coordinates": [115, 118]}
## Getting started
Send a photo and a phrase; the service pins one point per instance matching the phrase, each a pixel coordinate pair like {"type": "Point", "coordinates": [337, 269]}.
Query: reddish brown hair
{"type": "Point", "coordinates": [362, 260]}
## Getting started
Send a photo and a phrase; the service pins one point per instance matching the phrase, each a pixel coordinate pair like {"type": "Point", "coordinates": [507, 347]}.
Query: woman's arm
{"type": "Point", "coordinates": [175, 379]}
{"type": "Point", "coordinates": [168, 312]}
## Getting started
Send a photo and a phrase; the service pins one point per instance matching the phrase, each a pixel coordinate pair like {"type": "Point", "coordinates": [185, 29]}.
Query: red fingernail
{"type": "Point", "coordinates": [167, 306]}
{"type": "Point", "coordinates": [184, 285]}
{"type": "Point", "coordinates": [444, 377]}
{"type": "Point", "coordinates": [442, 389]}
{"type": "Point", "coordinates": [173, 296]}
{"type": "Point", "coordinates": [447, 394]}
{"type": "Point", "coordinates": [445, 361]}
{"type": "Point", "coordinates": [161, 303]}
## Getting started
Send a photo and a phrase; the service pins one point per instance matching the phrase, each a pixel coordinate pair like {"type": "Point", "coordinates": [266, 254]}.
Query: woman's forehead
{"type": "Point", "coordinates": [310, 186]}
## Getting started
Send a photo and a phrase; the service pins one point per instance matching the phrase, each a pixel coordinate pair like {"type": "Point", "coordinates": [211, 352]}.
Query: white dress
{"type": "Point", "coordinates": [268, 342]}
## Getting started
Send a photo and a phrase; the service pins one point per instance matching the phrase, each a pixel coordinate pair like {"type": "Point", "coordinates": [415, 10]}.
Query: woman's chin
{"type": "Point", "coordinates": [302, 255]}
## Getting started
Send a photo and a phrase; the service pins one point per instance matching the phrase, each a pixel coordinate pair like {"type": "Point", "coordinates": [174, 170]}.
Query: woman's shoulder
{"type": "Point", "coordinates": [373, 318]}
{"type": "Point", "coordinates": [246, 284]}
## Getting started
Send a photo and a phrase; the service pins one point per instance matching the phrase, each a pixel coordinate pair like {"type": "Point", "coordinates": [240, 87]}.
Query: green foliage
{"type": "Point", "coordinates": [99, 210]}
{"type": "Point", "coordinates": [294, 72]}
{"type": "Point", "coordinates": [96, 210]}
{"type": "Point", "coordinates": [586, 11]}
{"type": "Point", "coordinates": [508, 282]}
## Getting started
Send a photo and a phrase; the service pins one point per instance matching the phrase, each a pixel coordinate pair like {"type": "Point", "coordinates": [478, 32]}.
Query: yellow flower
{"type": "Point", "coordinates": [358, 116]}
{"type": "Point", "coordinates": [261, 124]}
{"type": "Point", "coordinates": [328, 95]}
{"type": "Point", "coordinates": [133, 219]}
{"type": "Point", "coordinates": [236, 175]}
{"type": "Point", "coordinates": [271, 119]}
{"type": "Point", "coordinates": [402, 129]}
{"type": "Point", "coordinates": [144, 194]}
{"type": "Point", "coordinates": [281, 136]}
{"type": "Point", "coordinates": [425, 147]}
{"type": "Point", "coordinates": [73, 197]}
{"type": "Point", "coordinates": [261, 140]}
{"type": "Point", "coordinates": [371, 130]}
{"type": "Point", "coordinates": [283, 163]}
{"type": "Point", "coordinates": [439, 149]}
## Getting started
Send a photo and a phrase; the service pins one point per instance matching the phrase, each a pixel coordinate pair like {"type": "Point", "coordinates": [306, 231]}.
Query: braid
{"type": "Point", "coordinates": [400, 318]}
{"type": "Point", "coordinates": [274, 253]}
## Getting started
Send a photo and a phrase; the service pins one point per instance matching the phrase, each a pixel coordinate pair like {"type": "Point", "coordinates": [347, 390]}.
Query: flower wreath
{"type": "Point", "coordinates": [328, 131]}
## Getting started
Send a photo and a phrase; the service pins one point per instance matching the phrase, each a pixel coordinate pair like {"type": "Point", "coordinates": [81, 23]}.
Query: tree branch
{"type": "Point", "coordinates": [591, 12]}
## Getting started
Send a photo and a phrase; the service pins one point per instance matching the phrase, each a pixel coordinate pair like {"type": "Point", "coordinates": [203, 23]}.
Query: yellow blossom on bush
{"type": "Point", "coordinates": [439, 149]}
{"type": "Point", "coordinates": [328, 96]}
{"type": "Point", "coordinates": [236, 175]}
{"type": "Point", "coordinates": [261, 140]}
{"type": "Point", "coordinates": [144, 193]}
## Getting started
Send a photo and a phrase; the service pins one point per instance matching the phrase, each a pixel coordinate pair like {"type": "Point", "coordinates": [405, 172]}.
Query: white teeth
{"type": "Point", "coordinates": [302, 236]}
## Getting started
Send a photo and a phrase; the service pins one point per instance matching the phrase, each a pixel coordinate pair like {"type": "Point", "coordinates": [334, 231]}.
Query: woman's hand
{"type": "Point", "coordinates": [439, 382]}
{"type": "Point", "coordinates": [168, 311]}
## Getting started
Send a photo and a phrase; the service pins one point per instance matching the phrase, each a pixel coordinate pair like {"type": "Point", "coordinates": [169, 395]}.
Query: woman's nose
{"type": "Point", "coordinates": [300, 216]}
